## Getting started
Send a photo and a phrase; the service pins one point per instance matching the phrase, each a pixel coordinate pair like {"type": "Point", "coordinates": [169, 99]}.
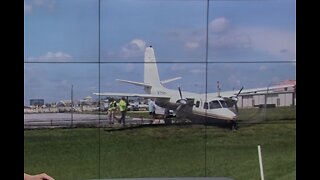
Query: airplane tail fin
{"type": "Point", "coordinates": [151, 75]}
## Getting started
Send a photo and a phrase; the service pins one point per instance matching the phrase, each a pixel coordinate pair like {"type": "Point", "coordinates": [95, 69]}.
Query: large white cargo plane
{"type": "Point", "coordinates": [210, 108]}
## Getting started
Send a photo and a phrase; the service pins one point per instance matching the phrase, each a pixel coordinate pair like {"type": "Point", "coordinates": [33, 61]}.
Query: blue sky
{"type": "Point", "coordinates": [247, 40]}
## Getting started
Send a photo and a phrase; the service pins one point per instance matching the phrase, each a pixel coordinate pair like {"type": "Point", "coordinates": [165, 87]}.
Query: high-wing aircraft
{"type": "Point", "coordinates": [211, 108]}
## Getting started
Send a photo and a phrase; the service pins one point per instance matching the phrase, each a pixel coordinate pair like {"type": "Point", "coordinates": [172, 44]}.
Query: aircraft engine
{"type": "Point", "coordinates": [233, 100]}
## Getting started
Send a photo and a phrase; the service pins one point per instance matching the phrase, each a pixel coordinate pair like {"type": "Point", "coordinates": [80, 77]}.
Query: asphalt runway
{"type": "Point", "coordinates": [54, 120]}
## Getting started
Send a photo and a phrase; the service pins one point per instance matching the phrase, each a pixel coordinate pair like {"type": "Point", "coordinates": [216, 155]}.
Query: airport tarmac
{"type": "Point", "coordinates": [53, 120]}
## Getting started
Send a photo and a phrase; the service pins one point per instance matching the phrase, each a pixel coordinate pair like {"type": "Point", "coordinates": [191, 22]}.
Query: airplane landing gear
{"type": "Point", "coordinates": [234, 125]}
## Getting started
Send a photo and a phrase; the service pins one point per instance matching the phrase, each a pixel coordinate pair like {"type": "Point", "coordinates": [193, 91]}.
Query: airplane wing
{"type": "Point", "coordinates": [135, 83]}
{"type": "Point", "coordinates": [231, 97]}
{"type": "Point", "coordinates": [270, 89]}
{"type": "Point", "coordinates": [132, 95]}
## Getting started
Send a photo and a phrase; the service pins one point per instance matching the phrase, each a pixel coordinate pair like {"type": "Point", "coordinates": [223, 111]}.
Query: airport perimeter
{"type": "Point", "coordinates": [54, 120]}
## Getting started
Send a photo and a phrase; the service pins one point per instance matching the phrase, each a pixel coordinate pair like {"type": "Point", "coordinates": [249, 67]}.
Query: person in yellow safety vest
{"type": "Point", "coordinates": [123, 110]}
{"type": "Point", "coordinates": [112, 110]}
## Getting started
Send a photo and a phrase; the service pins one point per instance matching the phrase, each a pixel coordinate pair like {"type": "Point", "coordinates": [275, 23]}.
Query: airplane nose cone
{"type": "Point", "coordinates": [228, 114]}
{"type": "Point", "coordinates": [233, 115]}
{"type": "Point", "coordinates": [234, 99]}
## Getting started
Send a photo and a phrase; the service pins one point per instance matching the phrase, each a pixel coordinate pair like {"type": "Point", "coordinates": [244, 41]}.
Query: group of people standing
{"type": "Point", "coordinates": [113, 108]}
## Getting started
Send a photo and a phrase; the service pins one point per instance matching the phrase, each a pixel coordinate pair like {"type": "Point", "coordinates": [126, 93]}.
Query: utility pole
{"type": "Point", "coordinates": [219, 89]}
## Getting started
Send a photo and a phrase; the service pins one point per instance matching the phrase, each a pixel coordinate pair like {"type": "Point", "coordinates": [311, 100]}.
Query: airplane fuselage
{"type": "Point", "coordinates": [205, 108]}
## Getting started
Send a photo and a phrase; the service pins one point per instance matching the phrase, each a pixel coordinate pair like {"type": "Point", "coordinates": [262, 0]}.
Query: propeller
{"type": "Point", "coordinates": [236, 100]}
{"type": "Point", "coordinates": [239, 91]}
{"type": "Point", "coordinates": [233, 100]}
{"type": "Point", "coordinates": [236, 106]}
{"type": "Point", "coordinates": [184, 107]}
{"type": "Point", "coordinates": [182, 102]}
{"type": "Point", "coordinates": [180, 92]}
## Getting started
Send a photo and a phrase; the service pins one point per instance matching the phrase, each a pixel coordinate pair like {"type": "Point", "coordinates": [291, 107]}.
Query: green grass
{"type": "Point", "coordinates": [62, 153]}
{"type": "Point", "coordinates": [268, 114]}
{"type": "Point", "coordinates": [162, 152]}
{"type": "Point", "coordinates": [165, 151]}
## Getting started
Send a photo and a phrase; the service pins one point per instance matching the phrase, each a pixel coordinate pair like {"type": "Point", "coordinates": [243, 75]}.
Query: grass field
{"type": "Point", "coordinates": [165, 151]}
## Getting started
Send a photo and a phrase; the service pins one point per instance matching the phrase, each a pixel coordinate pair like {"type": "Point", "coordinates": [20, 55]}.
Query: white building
{"type": "Point", "coordinates": [275, 98]}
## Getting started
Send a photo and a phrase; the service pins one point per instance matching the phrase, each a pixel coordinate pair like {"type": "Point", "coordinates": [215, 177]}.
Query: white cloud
{"type": "Point", "coordinates": [52, 57]}
{"type": "Point", "coordinates": [191, 38]}
{"type": "Point", "coordinates": [192, 45]}
{"type": "Point", "coordinates": [262, 68]}
{"type": "Point", "coordinates": [130, 68]}
{"type": "Point", "coordinates": [178, 67]}
{"type": "Point", "coordinates": [198, 71]}
{"type": "Point", "coordinates": [278, 43]}
{"type": "Point", "coordinates": [48, 4]}
{"type": "Point", "coordinates": [44, 3]}
{"type": "Point", "coordinates": [219, 25]}
{"type": "Point", "coordinates": [221, 36]}
{"type": "Point", "coordinates": [134, 48]}
{"type": "Point", "coordinates": [225, 38]}
{"type": "Point", "coordinates": [230, 40]}
{"type": "Point", "coordinates": [234, 81]}
{"type": "Point", "coordinates": [27, 8]}
{"type": "Point", "coordinates": [38, 2]}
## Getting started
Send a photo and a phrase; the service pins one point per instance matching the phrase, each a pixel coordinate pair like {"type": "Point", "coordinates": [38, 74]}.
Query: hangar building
{"type": "Point", "coordinates": [278, 97]}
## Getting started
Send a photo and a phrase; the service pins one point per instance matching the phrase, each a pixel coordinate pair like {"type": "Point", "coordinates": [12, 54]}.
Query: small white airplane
{"type": "Point", "coordinates": [211, 108]}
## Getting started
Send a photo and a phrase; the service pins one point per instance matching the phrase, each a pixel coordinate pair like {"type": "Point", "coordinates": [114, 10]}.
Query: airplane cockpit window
{"type": "Point", "coordinates": [223, 104]}
{"type": "Point", "coordinates": [197, 104]}
{"type": "Point", "coordinates": [205, 105]}
{"type": "Point", "coordinates": [215, 105]}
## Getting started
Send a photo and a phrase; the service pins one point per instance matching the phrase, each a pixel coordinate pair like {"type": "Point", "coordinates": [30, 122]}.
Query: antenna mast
{"type": "Point", "coordinates": [219, 89]}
